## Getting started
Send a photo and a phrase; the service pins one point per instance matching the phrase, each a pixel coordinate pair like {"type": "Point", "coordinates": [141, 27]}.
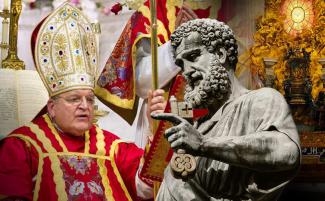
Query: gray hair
{"type": "Point", "coordinates": [214, 35]}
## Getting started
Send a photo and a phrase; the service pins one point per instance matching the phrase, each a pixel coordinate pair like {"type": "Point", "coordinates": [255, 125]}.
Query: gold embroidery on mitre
{"type": "Point", "coordinates": [66, 51]}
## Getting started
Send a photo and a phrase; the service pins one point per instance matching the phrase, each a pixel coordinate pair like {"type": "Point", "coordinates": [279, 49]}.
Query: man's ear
{"type": "Point", "coordinates": [50, 107]}
{"type": "Point", "coordinates": [222, 55]}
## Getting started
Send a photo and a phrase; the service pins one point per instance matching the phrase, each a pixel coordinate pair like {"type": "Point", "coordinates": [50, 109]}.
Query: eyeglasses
{"type": "Point", "coordinates": [77, 100]}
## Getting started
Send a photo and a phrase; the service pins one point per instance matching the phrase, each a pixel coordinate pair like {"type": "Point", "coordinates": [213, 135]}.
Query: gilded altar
{"type": "Point", "coordinates": [288, 55]}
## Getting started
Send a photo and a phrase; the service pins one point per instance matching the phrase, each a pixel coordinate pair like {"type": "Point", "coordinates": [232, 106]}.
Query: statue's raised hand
{"type": "Point", "coordinates": [182, 135]}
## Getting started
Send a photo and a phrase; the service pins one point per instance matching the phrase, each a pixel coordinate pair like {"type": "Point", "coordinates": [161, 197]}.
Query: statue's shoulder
{"type": "Point", "coordinates": [266, 93]}
{"type": "Point", "coordinates": [262, 98]}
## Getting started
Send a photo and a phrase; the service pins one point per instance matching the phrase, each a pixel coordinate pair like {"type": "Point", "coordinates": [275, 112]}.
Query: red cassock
{"type": "Point", "coordinates": [39, 163]}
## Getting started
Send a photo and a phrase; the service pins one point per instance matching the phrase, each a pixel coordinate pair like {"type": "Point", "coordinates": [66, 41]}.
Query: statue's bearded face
{"type": "Point", "coordinates": [207, 80]}
{"type": "Point", "coordinates": [206, 89]}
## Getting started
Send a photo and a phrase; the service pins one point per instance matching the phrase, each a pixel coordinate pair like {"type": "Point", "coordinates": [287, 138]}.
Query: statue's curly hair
{"type": "Point", "coordinates": [214, 35]}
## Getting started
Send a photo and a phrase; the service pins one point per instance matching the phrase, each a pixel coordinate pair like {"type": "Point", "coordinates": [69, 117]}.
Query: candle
{"type": "Point", "coordinates": [6, 5]}
{"type": "Point", "coordinates": [5, 29]}
{"type": "Point", "coordinates": [4, 38]}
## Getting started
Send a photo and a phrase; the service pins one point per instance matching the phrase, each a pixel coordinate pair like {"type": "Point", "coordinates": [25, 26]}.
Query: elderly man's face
{"type": "Point", "coordinates": [207, 80]}
{"type": "Point", "coordinates": [73, 111]}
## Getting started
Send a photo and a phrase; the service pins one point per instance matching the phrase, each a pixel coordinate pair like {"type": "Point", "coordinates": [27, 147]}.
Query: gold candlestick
{"type": "Point", "coordinates": [12, 61]}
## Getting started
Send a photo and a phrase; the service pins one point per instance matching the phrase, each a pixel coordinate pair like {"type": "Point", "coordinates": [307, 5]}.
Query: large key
{"type": "Point", "coordinates": [183, 165]}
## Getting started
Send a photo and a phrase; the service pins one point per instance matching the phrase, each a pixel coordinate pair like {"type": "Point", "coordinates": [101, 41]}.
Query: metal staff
{"type": "Point", "coordinates": [154, 63]}
{"type": "Point", "coordinates": [154, 44]}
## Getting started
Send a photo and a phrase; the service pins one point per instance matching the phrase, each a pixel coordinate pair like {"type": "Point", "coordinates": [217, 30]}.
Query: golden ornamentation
{"type": "Point", "coordinates": [5, 14]}
{"type": "Point", "coordinates": [61, 60]}
{"type": "Point", "coordinates": [273, 41]}
{"type": "Point", "coordinates": [60, 49]}
{"type": "Point", "coordinates": [96, 27]}
{"type": "Point", "coordinates": [12, 61]}
{"type": "Point", "coordinates": [299, 15]}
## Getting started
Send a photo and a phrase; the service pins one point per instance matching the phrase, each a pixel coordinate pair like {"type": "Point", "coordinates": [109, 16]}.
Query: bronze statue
{"type": "Point", "coordinates": [247, 147]}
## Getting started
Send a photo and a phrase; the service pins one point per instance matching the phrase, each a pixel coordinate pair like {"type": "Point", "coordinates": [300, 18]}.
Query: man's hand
{"type": "Point", "coordinates": [183, 135]}
{"type": "Point", "coordinates": [156, 103]}
{"type": "Point", "coordinates": [184, 15]}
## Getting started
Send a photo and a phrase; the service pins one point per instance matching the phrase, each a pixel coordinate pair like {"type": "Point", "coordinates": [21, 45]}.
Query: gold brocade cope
{"type": "Point", "coordinates": [66, 51]}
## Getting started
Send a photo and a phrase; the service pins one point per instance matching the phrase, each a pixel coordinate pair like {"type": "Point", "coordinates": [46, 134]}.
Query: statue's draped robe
{"type": "Point", "coordinates": [255, 111]}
